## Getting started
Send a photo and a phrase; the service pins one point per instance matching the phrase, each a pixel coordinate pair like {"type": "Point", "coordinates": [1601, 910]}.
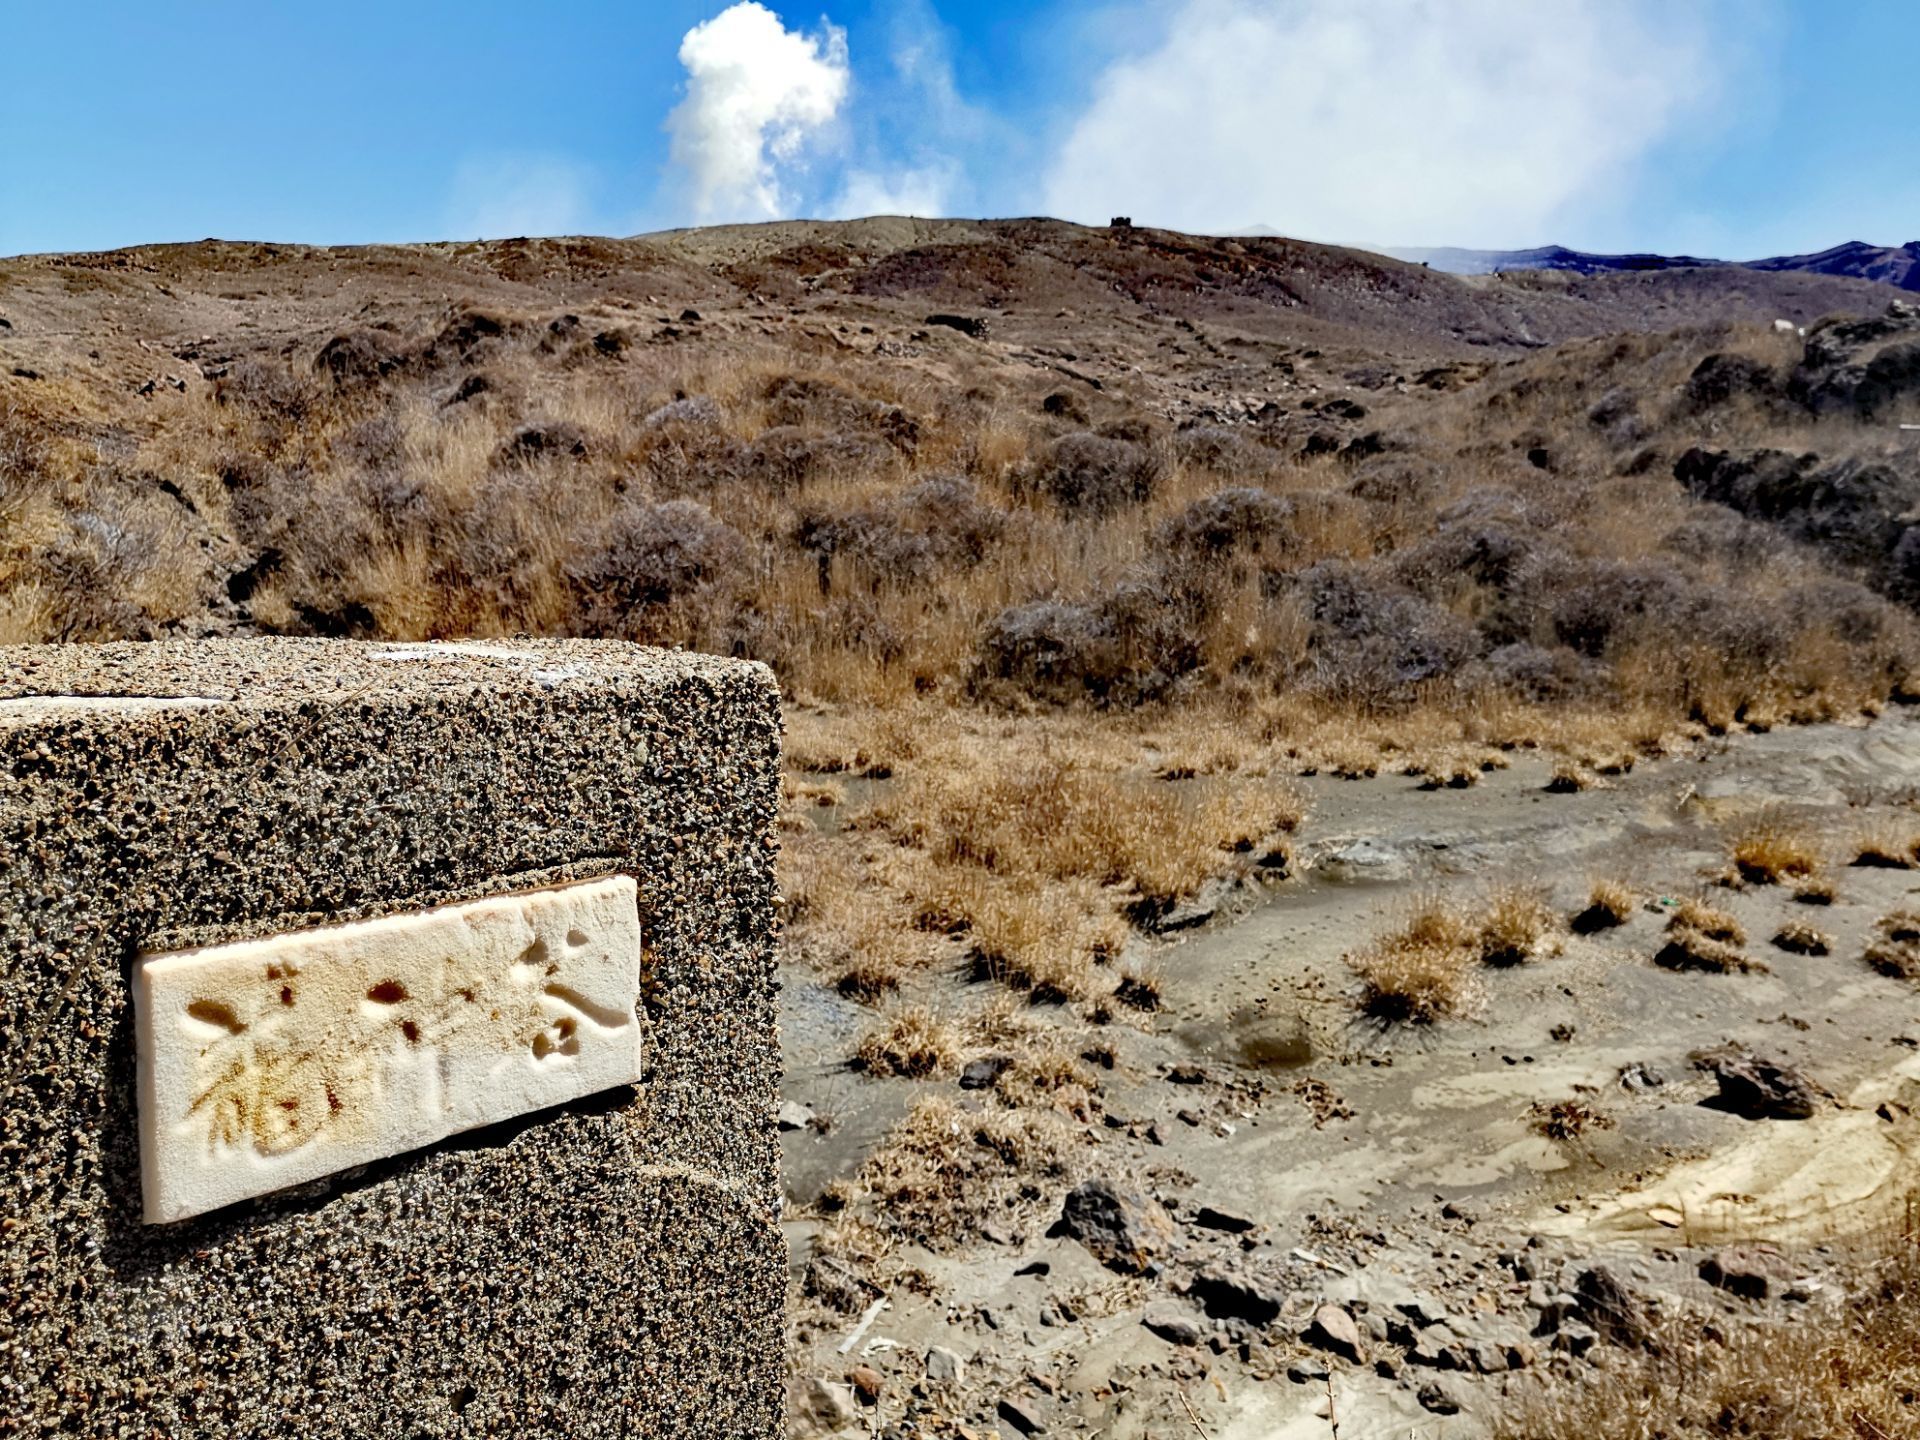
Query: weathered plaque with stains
{"type": "Point", "coordinates": [273, 1062]}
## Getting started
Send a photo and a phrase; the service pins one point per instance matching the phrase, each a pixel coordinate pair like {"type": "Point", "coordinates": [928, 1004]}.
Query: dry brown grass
{"type": "Point", "coordinates": [1566, 1121]}
{"type": "Point", "coordinates": [1770, 852]}
{"type": "Point", "coordinates": [1702, 938]}
{"type": "Point", "coordinates": [913, 1043]}
{"type": "Point", "coordinates": [1819, 890]}
{"type": "Point", "coordinates": [1423, 971]}
{"type": "Point", "coordinates": [1410, 982]}
{"type": "Point", "coordinates": [1797, 937]}
{"type": "Point", "coordinates": [1515, 925]}
{"type": "Point", "coordinates": [1610, 904]}
{"type": "Point", "coordinates": [1704, 919]}
{"type": "Point", "coordinates": [1896, 954]}
{"type": "Point", "coordinates": [945, 1170]}
{"type": "Point", "coordinates": [1887, 846]}
{"type": "Point", "coordinates": [1037, 860]}
{"type": "Point", "coordinates": [1709, 1377]}
{"type": "Point", "coordinates": [866, 523]}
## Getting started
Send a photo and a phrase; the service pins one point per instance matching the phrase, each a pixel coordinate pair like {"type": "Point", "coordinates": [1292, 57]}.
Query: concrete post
{"type": "Point", "coordinates": [387, 1041]}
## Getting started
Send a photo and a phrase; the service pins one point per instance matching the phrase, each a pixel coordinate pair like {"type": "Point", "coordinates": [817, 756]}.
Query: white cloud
{"type": "Point", "coordinates": [502, 196]}
{"type": "Point", "coordinates": [757, 94]}
{"type": "Point", "coordinates": [922, 192]}
{"type": "Point", "coordinates": [1460, 122]}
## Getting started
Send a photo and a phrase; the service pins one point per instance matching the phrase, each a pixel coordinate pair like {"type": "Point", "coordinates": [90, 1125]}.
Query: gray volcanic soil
{"type": "Point", "coordinates": [1395, 1168]}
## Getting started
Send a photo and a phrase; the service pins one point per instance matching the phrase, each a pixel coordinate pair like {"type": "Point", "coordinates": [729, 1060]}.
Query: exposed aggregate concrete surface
{"type": "Point", "coordinates": [607, 1268]}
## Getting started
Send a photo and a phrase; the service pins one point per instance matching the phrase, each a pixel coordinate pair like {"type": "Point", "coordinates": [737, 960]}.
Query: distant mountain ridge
{"type": "Point", "coordinates": [1898, 266]}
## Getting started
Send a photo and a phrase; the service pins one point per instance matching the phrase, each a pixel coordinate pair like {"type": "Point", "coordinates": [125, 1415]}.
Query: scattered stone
{"type": "Point", "coordinates": [1365, 860]}
{"type": "Point", "coordinates": [1491, 1359]}
{"type": "Point", "coordinates": [1758, 1088]}
{"type": "Point", "coordinates": [826, 1408]}
{"type": "Point", "coordinates": [1210, 1218]}
{"type": "Point", "coordinates": [944, 1366]}
{"type": "Point", "coordinates": [1171, 1323]}
{"type": "Point", "coordinates": [1231, 1294]}
{"type": "Point", "coordinates": [1186, 1075]}
{"type": "Point", "coordinates": [985, 1072]}
{"type": "Point", "coordinates": [972, 326]}
{"type": "Point", "coordinates": [1436, 1348]}
{"type": "Point", "coordinates": [1439, 1397]}
{"type": "Point", "coordinates": [1636, 1076]}
{"type": "Point", "coordinates": [1616, 1314]}
{"type": "Point", "coordinates": [1123, 1229]}
{"type": "Point", "coordinates": [1748, 1271]}
{"type": "Point", "coordinates": [1575, 1338]}
{"type": "Point", "coordinates": [1308, 1372]}
{"type": "Point", "coordinates": [795, 1116]}
{"type": "Point", "coordinates": [1333, 1330]}
{"type": "Point", "coordinates": [1020, 1417]}
{"type": "Point", "coordinates": [867, 1383]}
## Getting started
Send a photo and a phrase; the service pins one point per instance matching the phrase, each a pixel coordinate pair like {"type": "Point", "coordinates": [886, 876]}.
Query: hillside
{"type": "Point", "coordinates": [1284, 747]}
{"type": "Point", "coordinates": [1898, 266]}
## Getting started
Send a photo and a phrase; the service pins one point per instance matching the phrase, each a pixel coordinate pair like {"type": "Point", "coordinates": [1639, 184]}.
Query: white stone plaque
{"type": "Point", "coordinates": [269, 1063]}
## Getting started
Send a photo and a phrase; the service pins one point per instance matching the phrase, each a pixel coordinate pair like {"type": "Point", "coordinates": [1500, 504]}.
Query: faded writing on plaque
{"type": "Point", "coordinates": [269, 1063]}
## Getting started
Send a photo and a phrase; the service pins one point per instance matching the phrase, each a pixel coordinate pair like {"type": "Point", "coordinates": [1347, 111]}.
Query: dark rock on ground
{"type": "Point", "coordinates": [1020, 1417]}
{"type": "Point", "coordinates": [1171, 1323]}
{"type": "Point", "coordinates": [1756, 1087]}
{"type": "Point", "coordinates": [1607, 1304]}
{"type": "Point", "coordinates": [985, 1072]}
{"type": "Point", "coordinates": [1210, 1218]}
{"type": "Point", "coordinates": [1230, 1292]}
{"type": "Point", "coordinates": [1122, 1228]}
{"type": "Point", "coordinates": [1440, 1397]}
{"type": "Point", "coordinates": [1749, 1271]}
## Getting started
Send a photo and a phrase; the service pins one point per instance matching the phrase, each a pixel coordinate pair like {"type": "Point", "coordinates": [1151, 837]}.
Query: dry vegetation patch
{"type": "Point", "coordinates": [1707, 1375]}
{"type": "Point", "coordinates": [1702, 938]}
{"type": "Point", "coordinates": [913, 1043]}
{"type": "Point", "coordinates": [1423, 971]}
{"type": "Point", "coordinates": [1797, 937]}
{"type": "Point", "coordinates": [1887, 847]}
{"type": "Point", "coordinates": [1770, 852]}
{"type": "Point", "coordinates": [1896, 953]}
{"type": "Point", "coordinates": [1610, 904]}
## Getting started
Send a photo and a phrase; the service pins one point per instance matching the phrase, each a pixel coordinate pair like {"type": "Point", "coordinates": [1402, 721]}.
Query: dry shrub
{"type": "Point", "coordinates": [944, 1171]}
{"type": "Point", "coordinates": [844, 919]}
{"type": "Point", "coordinates": [1797, 937]}
{"type": "Point", "coordinates": [1701, 938]}
{"type": "Point", "coordinates": [1514, 925]}
{"type": "Point", "coordinates": [1887, 847]}
{"type": "Point", "coordinates": [913, 1043]}
{"type": "Point", "coordinates": [1060, 815]}
{"type": "Point", "coordinates": [1570, 777]}
{"type": "Point", "coordinates": [1703, 919]}
{"type": "Point", "coordinates": [1404, 981]}
{"type": "Point", "coordinates": [1819, 890]}
{"type": "Point", "coordinates": [1768, 852]}
{"type": "Point", "coordinates": [1896, 954]}
{"type": "Point", "coordinates": [1609, 904]}
{"type": "Point", "coordinates": [1045, 938]}
{"type": "Point", "coordinates": [1706, 1376]}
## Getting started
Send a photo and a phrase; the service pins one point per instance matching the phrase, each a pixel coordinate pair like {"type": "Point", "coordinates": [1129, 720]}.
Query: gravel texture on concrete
{"type": "Point", "coordinates": [611, 1267]}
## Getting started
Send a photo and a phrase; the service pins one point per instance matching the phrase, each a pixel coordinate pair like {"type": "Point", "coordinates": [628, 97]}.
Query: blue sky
{"type": "Point", "coordinates": [1726, 127]}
